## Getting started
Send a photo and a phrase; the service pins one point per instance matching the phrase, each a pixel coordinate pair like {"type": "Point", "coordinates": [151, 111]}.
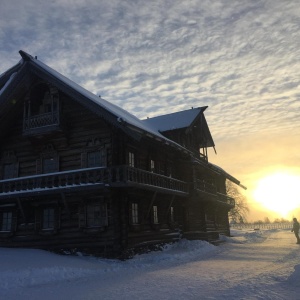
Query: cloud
{"type": "Point", "coordinates": [241, 58]}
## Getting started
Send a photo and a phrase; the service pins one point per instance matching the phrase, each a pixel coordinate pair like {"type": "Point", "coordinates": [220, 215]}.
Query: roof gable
{"type": "Point", "coordinates": [110, 112]}
{"type": "Point", "coordinates": [177, 120]}
{"type": "Point", "coordinates": [192, 120]}
{"type": "Point", "coordinates": [16, 79]}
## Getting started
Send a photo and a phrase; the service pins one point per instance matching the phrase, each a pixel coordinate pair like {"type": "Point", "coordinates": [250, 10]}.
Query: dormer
{"type": "Point", "coordinates": [41, 110]}
{"type": "Point", "coordinates": [187, 128]}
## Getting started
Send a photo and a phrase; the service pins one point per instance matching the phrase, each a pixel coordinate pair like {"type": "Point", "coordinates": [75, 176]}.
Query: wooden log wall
{"type": "Point", "coordinates": [82, 131]}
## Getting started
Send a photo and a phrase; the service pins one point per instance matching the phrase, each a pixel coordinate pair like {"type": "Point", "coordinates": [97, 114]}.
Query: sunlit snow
{"type": "Point", "coordinates": [253, 264]}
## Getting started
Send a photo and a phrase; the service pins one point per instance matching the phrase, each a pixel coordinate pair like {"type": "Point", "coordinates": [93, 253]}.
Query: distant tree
{"type": "Point", "coordinates": [267, 220]}
{"type": "Point", "coordinates": [258, 222]}
{"type": "Point", "coordinates": [241, 209]}
{"type": "Point", "coordinates": [282, 220]}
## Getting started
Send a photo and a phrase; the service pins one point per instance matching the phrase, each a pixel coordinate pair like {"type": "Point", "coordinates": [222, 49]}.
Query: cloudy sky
{"type": "Point", "coordinates": [239, 57]}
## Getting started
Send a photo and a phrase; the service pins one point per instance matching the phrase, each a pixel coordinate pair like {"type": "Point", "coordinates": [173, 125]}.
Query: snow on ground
{"type": "Point", "coordinates": [249, 265]}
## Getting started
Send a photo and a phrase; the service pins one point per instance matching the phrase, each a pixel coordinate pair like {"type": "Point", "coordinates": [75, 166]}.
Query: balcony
{"type": "Point", "coordinates": [91, 178]}
{"type": "Point", "coordinates": [207, 188]}
{"type": "Point", "coordinates": [41, 123]}
{"type": "Point", "coordinates": [226, 199]}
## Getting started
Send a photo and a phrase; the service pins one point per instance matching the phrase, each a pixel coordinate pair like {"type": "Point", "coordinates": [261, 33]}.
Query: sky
{"type": "Point", "coordinates": [256, 265]}
{"type": "Point", "coordinates": [240, 58]}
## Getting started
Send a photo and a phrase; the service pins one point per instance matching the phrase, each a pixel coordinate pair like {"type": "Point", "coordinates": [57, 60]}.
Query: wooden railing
{"type": "Point", "coordinates": [208, 187]}
{"type": "Point", "coordinates": [40, 121]}
{"type": "Point", "coordinates": [118, 176]}
{"type": "Point", "coordinates": [111, 176]}
{"type": "Point", "coordinates": [143, 177]}
{"type": "Point", "coordinates": [226, 199]}
{"type": "Point", "coordinates": [205, 186]}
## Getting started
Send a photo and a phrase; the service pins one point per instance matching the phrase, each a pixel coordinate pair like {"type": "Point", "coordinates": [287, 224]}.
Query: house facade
{"type": "Point", "coordinates": [77, 172]}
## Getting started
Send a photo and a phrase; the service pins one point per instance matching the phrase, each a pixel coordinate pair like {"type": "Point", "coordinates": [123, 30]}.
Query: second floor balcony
{"type": "Point", "coordinates": [105, 177]}
{"type": "Point", "coordinates": [90, 178]}
{"type": "Point", "coordinates": [207, 187]}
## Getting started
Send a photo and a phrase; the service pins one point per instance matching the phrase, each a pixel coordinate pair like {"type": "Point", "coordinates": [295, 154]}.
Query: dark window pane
{"type": "Point", "coordinates": [49, 165]}
{"type": "Point", "coordinates": [6, 224]}
{"type": "Point", "coordinates": [48, 218]}
{"type": "Point", "coordinates": [96, 159]}
{"type": "Point", "coordinates": [8, 171]}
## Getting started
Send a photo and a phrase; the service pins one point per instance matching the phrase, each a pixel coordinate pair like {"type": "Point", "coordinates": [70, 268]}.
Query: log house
{"type": "Point", "coordinates": [77, 172]}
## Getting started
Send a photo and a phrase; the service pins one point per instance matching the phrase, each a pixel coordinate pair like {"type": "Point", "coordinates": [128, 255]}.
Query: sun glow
{"type": "Point", "coordinates": [279, 192]}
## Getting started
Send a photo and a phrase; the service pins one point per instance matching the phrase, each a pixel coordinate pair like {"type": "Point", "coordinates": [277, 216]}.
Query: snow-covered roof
{"type": "Point", "coordinates": [123, 119]}
{"type": "Point", "coordinates": [224, 173]}
{"type": "Point", "coordinates": [120, 116]}
{"type": "Point", "coordinates": [177, 120]}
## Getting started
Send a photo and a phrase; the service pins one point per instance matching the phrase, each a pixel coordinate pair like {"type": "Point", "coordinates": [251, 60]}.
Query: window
{"type": "Point", "coordinates": [172, 214]}
{"type": "Point", "coordinates": [152, 165]}
{"type": "Point", "coordinates": [134, 213]}
{"type": "Point", "coordinates": [96, 159]}
{"type": "Point", "coordinates": [49, 165]}
{"type": "Point", "coordinates": [96, 215]}
{"type": "Point", "coordinates": [48, 218]}
{"type": "Point", "coordinates": [155, 215]}
{"type": "Point", "coordinates": [131, 159]}
{"type": "Point", "coordinates": [9, 166]}
{"type": "Point", "coordinates": [6, 221]}
{"type": "Point", "coordinates": [8, 171]}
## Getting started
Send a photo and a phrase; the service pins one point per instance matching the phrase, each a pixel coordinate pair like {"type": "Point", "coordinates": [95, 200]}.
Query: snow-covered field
{"type": "Point", "coordinates": [249, 265]}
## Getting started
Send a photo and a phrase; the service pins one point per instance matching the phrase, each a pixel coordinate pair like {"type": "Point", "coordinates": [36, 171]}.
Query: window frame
{"type": "Point", "coordinates": [134, 213]}
{"type": "Point", "coordinates": [50, 168]}
{"type": "Point", "coordinates": [8, 158]}
{"type": "Point", "coordinates": [152, 166]}
{"type": "Point", "coordinates": [8, 170]}
{"type": "Point", "coordinates": [155, 214]}
{"type": "Point", "coordinates": [99, 221]}
{"type": "Point", "coordinates": [172, 215]}
{"type": "Point", "coordinates": [131, 159]}
{"type": "Point", "coordinates": [101, 161]}
{"type": "Point", "coordinates": [48, 218]}
{"type": "Point", "coordinates": [4, 221]}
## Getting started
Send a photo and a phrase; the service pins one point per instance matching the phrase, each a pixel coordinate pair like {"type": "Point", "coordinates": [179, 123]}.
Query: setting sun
{"type": "Point", "coordinates": [279, 192]}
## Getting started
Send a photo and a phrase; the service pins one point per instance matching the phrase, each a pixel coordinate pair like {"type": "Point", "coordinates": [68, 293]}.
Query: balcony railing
{"type": "Point", "coordinates": [205, 186]}
{"type": "Point", "coordinates": [40, 122]}
{"type": "Point", "coordinates": [226, 199]}
{"type": "Point", "coordinates": [119, 176]}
